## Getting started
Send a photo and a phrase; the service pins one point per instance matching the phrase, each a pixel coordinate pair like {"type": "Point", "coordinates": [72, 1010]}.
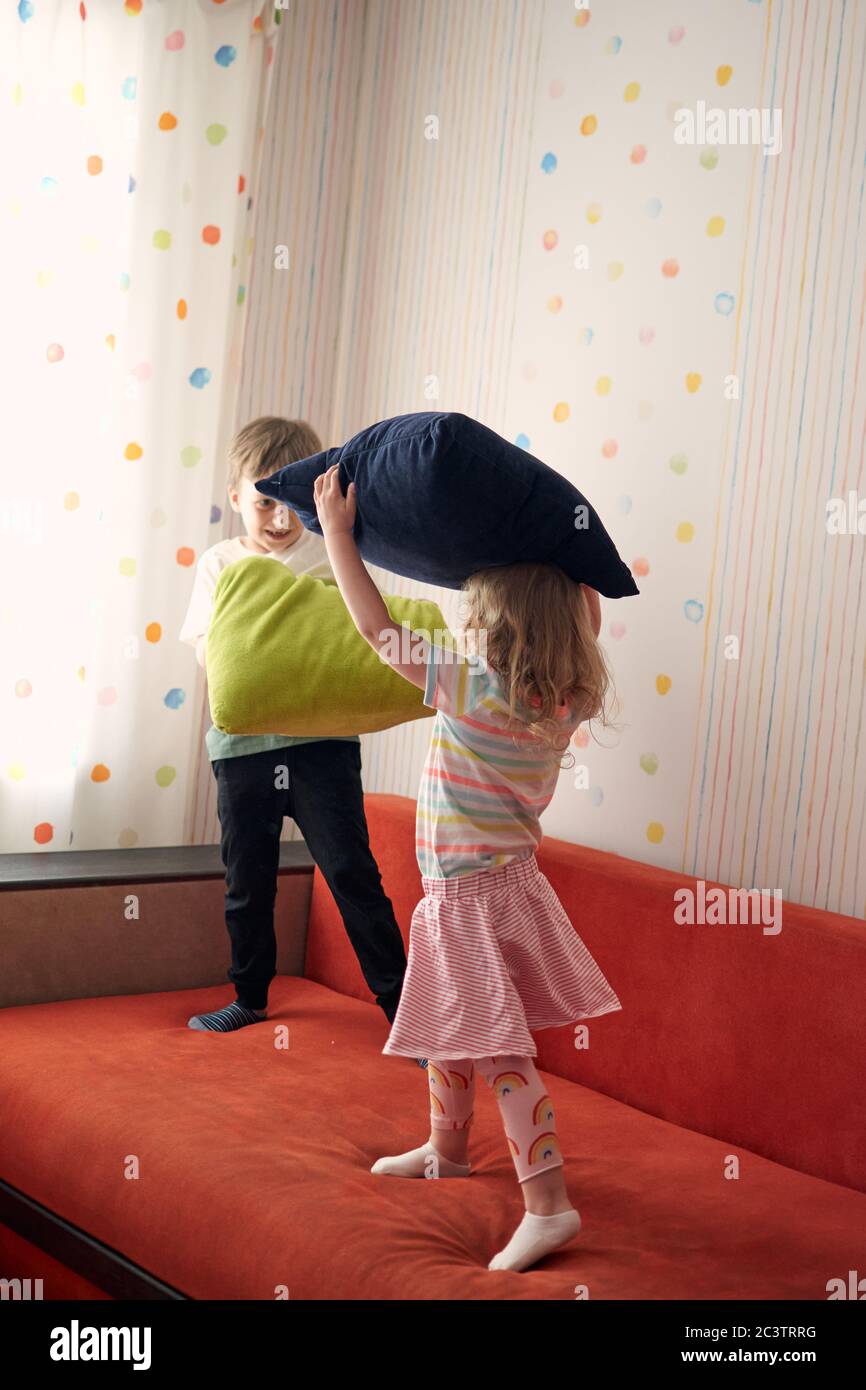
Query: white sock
{"type": "Point", "coordinates": [535, 1237]}
{"type": "Point", "coordinates": [425, 1162]}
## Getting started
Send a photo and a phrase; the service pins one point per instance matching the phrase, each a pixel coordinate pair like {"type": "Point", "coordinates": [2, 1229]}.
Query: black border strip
{"type": "Point", "coordinates": [93, 868]}
{"type": "Point", "coordinates": [98, 1263]}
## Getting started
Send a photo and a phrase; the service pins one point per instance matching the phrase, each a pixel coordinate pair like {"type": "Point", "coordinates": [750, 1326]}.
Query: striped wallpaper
{"type": "Point", "coordinates": [777, 781]}
{"type": "Point", "coordinates": [700, 379]}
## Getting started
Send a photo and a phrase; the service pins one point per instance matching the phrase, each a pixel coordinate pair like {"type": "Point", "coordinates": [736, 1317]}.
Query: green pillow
{"type": "Point", "coordinates": [284, 657]}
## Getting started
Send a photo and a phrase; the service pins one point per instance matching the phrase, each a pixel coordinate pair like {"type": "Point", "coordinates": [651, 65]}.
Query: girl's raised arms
{"type": "Point", "coordinates": [336, 514]}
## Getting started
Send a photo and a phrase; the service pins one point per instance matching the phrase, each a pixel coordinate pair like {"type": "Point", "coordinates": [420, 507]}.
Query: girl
{"type": "Point", "coordinates": [492, 953]}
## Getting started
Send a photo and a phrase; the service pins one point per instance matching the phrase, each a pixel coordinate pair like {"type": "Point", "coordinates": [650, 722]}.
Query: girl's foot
{"type": "Point", "coordinates": [535, 1237]}
{"type": "Point", "coordinates": [425, 1162]}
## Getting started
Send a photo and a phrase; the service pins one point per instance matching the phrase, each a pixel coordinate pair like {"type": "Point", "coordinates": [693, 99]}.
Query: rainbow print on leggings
{"type": "Point", "coordinates": [545, 1146]}
{"type": "Point", "coordinates": [542, 1112]}
{"type": "Point", "coordinates": [507, 1082]}
{"type": "Point", "coordinates": [460, 1082]}
{"type": "Point", "coordinates": [436, 1106]}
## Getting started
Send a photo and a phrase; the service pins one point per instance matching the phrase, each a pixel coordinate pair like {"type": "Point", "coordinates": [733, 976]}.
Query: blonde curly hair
{"type": "Point", "coordinates": [534, 627]}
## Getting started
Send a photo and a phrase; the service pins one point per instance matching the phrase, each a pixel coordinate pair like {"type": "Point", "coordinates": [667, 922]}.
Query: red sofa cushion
{"type": "Point", "coordinates": [754, 1039]}
{"type": "Point", "coordinates": [254, 1167]}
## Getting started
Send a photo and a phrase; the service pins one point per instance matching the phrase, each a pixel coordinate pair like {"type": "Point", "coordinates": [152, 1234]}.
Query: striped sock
{"type": "Point", "coordinates": [226, 1020]}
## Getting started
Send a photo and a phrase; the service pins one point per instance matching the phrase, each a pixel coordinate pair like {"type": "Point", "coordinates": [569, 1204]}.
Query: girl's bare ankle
{"type": "Point", "coordinates": [451, 1144]}
{"type": "Point", "coordinates": [546, 1194]}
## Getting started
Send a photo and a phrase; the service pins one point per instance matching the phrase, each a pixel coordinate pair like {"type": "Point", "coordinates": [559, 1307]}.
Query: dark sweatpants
{"type": "Point", "coordinates": [325, 799]}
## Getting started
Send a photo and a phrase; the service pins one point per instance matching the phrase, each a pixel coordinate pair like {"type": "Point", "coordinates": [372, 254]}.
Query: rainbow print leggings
{"type": "Point", "coordinates": [525, 1106]}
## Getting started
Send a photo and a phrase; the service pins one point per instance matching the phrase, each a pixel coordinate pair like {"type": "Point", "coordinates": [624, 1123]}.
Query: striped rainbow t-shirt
{"type": "Point", "coordinates": [484, 785]}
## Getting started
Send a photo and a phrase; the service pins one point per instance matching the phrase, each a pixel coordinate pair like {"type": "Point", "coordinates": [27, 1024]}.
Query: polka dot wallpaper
{"type": "Point", "coordinates": [131, 134]}
{"type": "Point", "coordinates": [516, 230]}
{"type": "Point", "coordinates": [488, 208]}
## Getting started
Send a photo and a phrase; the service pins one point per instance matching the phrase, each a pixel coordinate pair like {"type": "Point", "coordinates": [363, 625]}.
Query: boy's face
{"type": "Point", "coordinates": [271, 527]}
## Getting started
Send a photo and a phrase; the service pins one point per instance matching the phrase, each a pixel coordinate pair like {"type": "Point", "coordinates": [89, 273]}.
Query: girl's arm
{"type": "Point", "coordinates": [594, 604]}
{"type": "Point", "coordinates": [337, 517]}
{"type": "Point", "coordinates": [594, 607]}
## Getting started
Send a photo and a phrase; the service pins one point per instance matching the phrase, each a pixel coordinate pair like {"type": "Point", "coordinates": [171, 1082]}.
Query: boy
{"type": "Point", "coordinates": [324, 795]}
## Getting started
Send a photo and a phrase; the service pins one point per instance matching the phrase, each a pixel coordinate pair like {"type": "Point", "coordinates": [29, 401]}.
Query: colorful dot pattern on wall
{"type": "Point", "coordinates": [644, 223]}
{"type": "Point", "coordinates": [126, 322]}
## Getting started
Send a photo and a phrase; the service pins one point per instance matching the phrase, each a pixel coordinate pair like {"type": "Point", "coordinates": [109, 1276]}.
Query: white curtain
{"type": "Point", "coordinates": [131, 137]}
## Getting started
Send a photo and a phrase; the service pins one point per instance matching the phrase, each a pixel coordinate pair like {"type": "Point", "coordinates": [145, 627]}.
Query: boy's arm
{"type": "Point", "coordinates": [360, 595]}
{"type": "Point", "coordinates": [200, 609]}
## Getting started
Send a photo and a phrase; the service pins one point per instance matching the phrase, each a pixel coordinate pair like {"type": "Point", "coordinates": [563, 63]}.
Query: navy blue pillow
{"type": "Point", "coordinates": [440, 496]}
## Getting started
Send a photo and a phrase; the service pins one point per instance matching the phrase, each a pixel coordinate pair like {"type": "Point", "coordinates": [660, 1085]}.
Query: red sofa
{"type": "Point", "coordinates": [733, 1051]}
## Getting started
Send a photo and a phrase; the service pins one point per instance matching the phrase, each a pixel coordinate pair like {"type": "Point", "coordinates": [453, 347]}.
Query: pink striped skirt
{"type": "Point", "coordinates": [492, 956]}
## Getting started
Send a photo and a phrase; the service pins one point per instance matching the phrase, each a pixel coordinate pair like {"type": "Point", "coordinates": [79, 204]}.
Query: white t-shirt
{"type": "Point", "coordinates": [307, 555]}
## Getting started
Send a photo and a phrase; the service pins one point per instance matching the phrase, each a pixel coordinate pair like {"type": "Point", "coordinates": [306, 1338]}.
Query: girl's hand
{"type": "Point", "coordinates": [335, 512]}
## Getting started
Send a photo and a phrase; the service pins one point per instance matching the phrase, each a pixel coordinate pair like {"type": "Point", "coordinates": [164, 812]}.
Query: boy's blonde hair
{"type": "Point", "coordinates": [540, 640]}
{"type": "Point", "coordinates": [268, 444]}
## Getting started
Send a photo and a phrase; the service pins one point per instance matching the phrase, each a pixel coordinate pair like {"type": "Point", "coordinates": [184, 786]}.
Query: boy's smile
{"type": "Point", "coordinates": [270, 525]}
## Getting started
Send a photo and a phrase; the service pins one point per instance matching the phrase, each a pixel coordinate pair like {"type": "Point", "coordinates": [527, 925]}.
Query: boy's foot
{"type": "Point", "coordinates": [227, 1020]}
{"type": "Point", "coordinates": [535, 1237]}
{"type": "Point", "coordinates": [422, 1061]}
{"type": "Point", "coordinates": [425, 1162]}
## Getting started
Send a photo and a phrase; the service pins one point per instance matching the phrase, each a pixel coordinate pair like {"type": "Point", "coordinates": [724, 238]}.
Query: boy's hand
{"type": "Point", "coordinates": [335, 512]}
